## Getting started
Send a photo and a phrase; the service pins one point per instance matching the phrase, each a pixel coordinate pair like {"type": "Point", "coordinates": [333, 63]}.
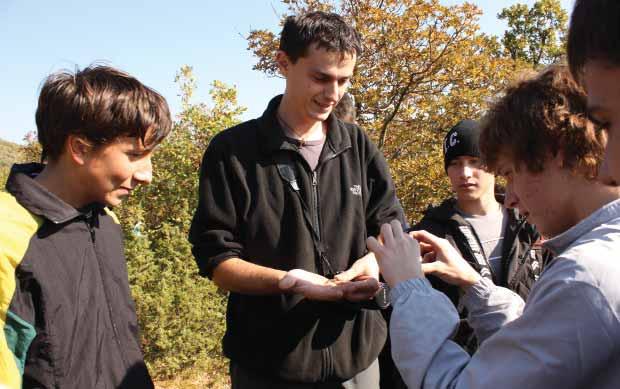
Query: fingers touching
{"type": "Point", "coordinates": [397, 254]}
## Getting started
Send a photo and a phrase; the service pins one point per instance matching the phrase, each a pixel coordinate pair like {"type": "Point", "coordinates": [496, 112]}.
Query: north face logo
{"type": "Point", "coordinates": [356, 190]}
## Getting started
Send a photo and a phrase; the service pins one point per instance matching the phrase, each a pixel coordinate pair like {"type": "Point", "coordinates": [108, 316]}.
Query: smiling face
{"type": "Point", "coordinates": [468, 178]}
{"type": "Point", "coordinates": [315, 82]}
{"type": "Point", "coordinates": [110, 172]}
{"type": "Point", "coordinates": [602, 83]}
{"type": "Point", "coordinates": [544, 198]}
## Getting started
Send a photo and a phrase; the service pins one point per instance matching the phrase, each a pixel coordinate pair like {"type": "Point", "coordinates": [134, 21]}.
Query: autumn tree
{"type": "Point", "coordinates": [535, 35]}
{"type": "Point", "coordinates": [424, 67]}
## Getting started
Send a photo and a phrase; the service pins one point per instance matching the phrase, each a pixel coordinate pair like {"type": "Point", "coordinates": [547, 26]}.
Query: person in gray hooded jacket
{"type": "Point", "coordinates": [567, 335]}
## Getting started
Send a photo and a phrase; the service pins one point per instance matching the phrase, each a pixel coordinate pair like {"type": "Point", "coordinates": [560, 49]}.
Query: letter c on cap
{"type": "Point", "coordinates": [453, 139]}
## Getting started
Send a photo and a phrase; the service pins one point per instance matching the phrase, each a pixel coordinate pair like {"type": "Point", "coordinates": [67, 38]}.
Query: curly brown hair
{"type": "Point", "coordinates": [539, 117]}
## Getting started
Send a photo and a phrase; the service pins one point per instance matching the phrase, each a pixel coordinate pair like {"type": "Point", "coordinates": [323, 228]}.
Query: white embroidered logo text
{"type": "Point", "coordinates": [356, 190]}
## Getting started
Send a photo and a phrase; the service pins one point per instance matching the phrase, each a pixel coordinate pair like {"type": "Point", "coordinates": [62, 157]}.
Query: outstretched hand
{"type": "Point", "coordinates": [316, 287]}
{"type": "Point", "coordinates": [397, 253]}
{"type": "Point", "coordinates": [441, 259]}
{"type": "Point", "coordinates": [311, 285]}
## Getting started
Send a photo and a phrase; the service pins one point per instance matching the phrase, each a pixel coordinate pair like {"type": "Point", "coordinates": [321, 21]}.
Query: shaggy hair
{"type": "Point", "coordinates": [100, 104]}
{"type": "Point", "coordinates": [539, 117]}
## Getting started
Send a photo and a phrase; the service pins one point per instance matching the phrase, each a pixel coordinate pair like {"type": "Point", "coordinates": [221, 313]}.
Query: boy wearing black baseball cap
{"type": "Point", "coordinates": [495, 239]}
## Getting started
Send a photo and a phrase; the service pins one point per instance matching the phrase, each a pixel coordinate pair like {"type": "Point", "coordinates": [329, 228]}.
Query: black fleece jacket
{"type": "Point", "coordinates": [247, 210]}
{"type": "Point", "coordinates": [71, 320]}
{"type": "Point", "coordinates": [522, 256]}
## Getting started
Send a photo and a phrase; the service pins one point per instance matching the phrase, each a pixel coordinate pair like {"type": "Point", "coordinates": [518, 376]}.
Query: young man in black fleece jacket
{"type": "Point", "coordinates": [495, 239]}
{"type": "Point", "coordinates": [285, 205]}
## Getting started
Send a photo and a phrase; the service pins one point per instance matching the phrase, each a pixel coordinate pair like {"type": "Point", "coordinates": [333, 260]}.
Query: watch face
{"type": "Point", "coordinates": [382, 298]}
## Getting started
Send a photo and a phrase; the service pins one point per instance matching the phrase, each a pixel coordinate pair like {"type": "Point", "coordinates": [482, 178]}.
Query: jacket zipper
{"type": "Point", "coordinates": [89, 220]}
{"type": "Point", "coordinates": [327, 352]}
{"type": "Point", "coordinates": [315, 203]}
{"type": "Point", "coordinates": [330, 363]}
{"type": "Point", "coordinates": [323, 266]}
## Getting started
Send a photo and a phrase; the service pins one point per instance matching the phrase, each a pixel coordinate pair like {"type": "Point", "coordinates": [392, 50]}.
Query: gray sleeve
{"type": "Point", "coordinates": [422, 321]}
{"type": "Point", "coordinates": [490, 307]}
{"type": "Point", "coordinates": [560, 340]}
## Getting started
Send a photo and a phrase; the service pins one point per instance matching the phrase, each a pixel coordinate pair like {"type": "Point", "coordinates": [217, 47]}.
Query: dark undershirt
{"type": "Point", "coordinates": [309, 149]}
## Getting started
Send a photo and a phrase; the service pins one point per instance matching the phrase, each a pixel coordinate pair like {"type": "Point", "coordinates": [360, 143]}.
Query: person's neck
{"type": "Point", "coordinates": [63, 183]}
{"type": "Point", "coordinates": [589, 196]}
{"type": "Point", "coordinates": [481, 206]}
{"type": "Point", "coordinates": [302, 127]}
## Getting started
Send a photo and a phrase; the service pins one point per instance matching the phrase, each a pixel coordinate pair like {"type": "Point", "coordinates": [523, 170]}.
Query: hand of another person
{"type": "Point", "coordinates": [441, 259]}
{"type": "Point", "coordinates": [361, 281]}
{"type": "Point", "coordinates": [361, 289]}
{"type": "Point", "coordinates": [397, 253]}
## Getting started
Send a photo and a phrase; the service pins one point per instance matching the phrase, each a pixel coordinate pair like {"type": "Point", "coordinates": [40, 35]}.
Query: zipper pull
{"type": "Point", "coordinates": [89, 220]}
{"type": "Point", "coordinates": [314, 178]}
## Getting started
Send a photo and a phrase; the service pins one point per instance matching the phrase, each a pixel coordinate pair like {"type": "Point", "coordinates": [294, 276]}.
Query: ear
{"type": "Point", "coordinates": [283, 61]}
{"type": "Point", "coordinates": [78, 149]}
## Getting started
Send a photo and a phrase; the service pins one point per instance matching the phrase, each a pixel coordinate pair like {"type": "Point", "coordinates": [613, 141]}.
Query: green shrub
{"type": "Point", "coordinates": [181, 314]}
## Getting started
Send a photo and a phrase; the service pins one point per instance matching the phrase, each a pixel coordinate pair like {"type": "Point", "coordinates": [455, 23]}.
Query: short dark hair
{"type": "Point", "coordinates": [539, 117]}
{"type": "Point", "coordinates": [594, 34]}
{"type": "Point", "coordinates": [101, 104]}
{"type": "Point", "coordinates": [327, 30]}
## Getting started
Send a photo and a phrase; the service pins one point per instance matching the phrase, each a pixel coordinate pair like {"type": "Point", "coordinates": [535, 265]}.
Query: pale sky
{"type": "Point", "coordinates": [151, 39]}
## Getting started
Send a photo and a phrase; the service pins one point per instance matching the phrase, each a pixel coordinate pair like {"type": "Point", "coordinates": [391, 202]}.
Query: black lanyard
{"type": "Point", "coordinates": [286, 168]}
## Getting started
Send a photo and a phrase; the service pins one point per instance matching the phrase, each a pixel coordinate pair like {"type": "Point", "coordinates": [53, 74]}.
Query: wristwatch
{"type": "Point", "coordinates": [382, 298]}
